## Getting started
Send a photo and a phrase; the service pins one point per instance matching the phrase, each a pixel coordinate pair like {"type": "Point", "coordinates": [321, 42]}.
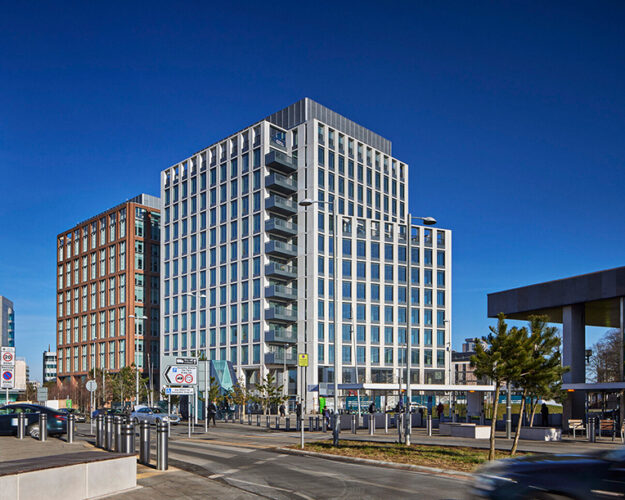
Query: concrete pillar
{"type": "Point", "coordinates": [573, 349]}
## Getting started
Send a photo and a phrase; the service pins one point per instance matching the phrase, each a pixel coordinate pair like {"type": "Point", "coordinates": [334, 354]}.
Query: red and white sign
{"type": "Point", "coordinates": [181, 375]}
{"type": "Point", "coordinates": [7, 356]}
{"type": "Point", "coordinates": [7, 378]}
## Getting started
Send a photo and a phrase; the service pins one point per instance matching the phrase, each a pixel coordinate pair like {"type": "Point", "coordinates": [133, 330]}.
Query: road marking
{"type": "Point", "coordinates": [215, 476]}
{"type": "Point", "coordinates": [231, 471]}
{"type": "Point", "coordinates": [272, 487]}
{"type": "Point", "coordinates": [205, 451]}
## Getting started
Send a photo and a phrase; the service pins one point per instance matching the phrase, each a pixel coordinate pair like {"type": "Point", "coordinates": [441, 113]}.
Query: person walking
{"type": "Point", "coordinates": [282, 410]}
{"type": "Point", "coordinates": [326, 416]}
{"type": "Point", "coordinates": [212, 411]}
{"type": "Point", "coordinates": [544, 412]}
{"type": "Point", "coordinates": [440, 409]}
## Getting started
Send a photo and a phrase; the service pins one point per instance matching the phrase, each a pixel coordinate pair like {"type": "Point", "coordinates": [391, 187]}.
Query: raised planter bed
{"type": "Point", "coordinates": [541, 433]}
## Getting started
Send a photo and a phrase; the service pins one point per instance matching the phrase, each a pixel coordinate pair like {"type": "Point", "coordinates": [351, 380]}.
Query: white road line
{"type": "Point", "coordinates": [230, 448]}
{"type": "Point", "coordinates": [230, 471]}
{"type": "Point", "coordinates": [214, 476]}
{"type": "Point", "coordinates": [201, 449]}
{"type": "Point", "coordinates": [271, 487]}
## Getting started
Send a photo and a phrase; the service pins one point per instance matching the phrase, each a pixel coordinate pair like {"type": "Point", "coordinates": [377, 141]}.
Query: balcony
{"type": "Point", "coordinates": [281, 162]}
{"type": "Point", "coordinates": [280, 227]}
{"type": "Point", "coordinates": [280, 292]}
{"type": "Point", "coordinates": [284, 271]}
{"type": "Point", "coordinates": [281, 184]}
{"type": "Point", "coordinates": [279, 205]}
{"type": "Point", "coordinates": [281, 249]}
{"type": "Point", "coordinates": [281, 335]}
{"type": "Point", "coordinates": [278, 358]}
{"type": "Point", "coordinates": [280, 314]}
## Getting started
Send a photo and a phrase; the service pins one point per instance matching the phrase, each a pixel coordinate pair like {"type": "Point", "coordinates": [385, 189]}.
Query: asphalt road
{"type": "Point", "coordinates": [245, 461]}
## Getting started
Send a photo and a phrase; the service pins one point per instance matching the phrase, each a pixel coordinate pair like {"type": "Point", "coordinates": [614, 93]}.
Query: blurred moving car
{"type": "Point", "coordinates": [108, 411]}
{"type": "Point", "coordinates": [553, 477]}
{"type": "Point", "coordinates": [57, 420]}
{"type": "Point", "coordinates": [153, 416]}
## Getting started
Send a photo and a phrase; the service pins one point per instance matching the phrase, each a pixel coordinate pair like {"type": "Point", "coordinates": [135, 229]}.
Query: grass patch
{"type": "Point", "coordinates": [444, 457]}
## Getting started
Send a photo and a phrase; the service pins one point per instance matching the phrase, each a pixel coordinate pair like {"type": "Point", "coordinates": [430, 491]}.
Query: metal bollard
{"type": "Point", "coordinates": [128, 439]}
{"type": "Point", "coordinates": [324, 425]}
{"type": "Point", "coordinates": [298, 423]}
{"type": "Point", "coordinates": [310, 424]}
{"type": "Point", "coordinates": [21, 425]}
{"type": "Point", "coordinates": [288, 423]}
{"type": "Point", "coordinates": [43, 426]}
{"type": "Point", "coordinates": [71, 423]}
{"type": "Point", "coordinates": [371, 424]}
{"type": "Point", "coordinates": [108, 433]}
{"type": "Point", "coordinates": [353, 424]}
{"type": "Point", "coordinates": [257, 420]}
{"type": "Point", "coordinates": [429, 424]}
{"type": "Point", "coordinates": [117, 432]}
{"type": "Point", "coordinates": [268, 422]}
{"type": "Point", "coordinates": [277, 423]}
{"type": "Point", "coordinates": [249, 419]}
{"type": "Point", "coordinates": [99, 434]}
{"type": "Point", "coordinates": [144, 443]}
{"type": "Point", "coordinates": [593, 429]}
{"type": "Point", "coordinates": [386, 423]}
{"type": "Point", "coordinates": [161, 447]}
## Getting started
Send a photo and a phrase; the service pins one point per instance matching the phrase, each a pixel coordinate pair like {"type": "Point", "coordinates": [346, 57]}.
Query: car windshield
{"type": "Point", "coordinates": [157, 410]}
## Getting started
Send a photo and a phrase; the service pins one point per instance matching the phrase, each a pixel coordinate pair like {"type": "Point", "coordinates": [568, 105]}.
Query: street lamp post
{"type": "Point", "coordinates": [428, 221]}
{"type": "Point", "coordinates": [136, 364]}
{"type": "Point", "coordinates": [197, 322]}
{"type": "Point", "coordinates": [306, 202]}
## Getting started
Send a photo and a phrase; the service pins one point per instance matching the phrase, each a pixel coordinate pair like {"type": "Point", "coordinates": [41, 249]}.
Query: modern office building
{"type": "Point", "coordinates": [49, 366]}
{"type": "Point", "coordinates": [463, 372]}
{"type": "Point", "coordinates": [7, 322]}
{"type": "Point", "coordinates": [108, 290]}
{"type": "Point", "coordinates": [248, 274]}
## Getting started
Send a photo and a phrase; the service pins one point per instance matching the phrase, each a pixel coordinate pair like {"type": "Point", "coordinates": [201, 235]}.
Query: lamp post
{"type": "Point", "coordinates": [195, 295]}
{"type": "Point", "coordinates": [428, 221]}
{"type": "Point", "coordinates": [136, 364]}
{"type": "Point", "coordinates": [306, 202]}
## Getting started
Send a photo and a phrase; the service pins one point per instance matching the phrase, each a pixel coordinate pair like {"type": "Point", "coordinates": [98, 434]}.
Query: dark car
{"type": "Point", "coordinates": [57, 420]}
{"type": "Point", "coordinates": [108, 411]}
{"type": "Point", "coordinates": [550, 477]}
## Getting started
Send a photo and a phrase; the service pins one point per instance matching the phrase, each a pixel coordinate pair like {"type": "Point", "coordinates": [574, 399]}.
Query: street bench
{"type": "Point", "coordinates": [576, 425]}
{"type": "Point", "coordinates": [607, 425]}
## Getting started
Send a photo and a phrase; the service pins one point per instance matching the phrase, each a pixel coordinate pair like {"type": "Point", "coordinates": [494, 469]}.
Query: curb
{"type": "Point", "coordinates": [381, 463]}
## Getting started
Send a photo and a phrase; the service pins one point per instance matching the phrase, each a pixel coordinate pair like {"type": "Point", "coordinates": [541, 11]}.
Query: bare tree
{"type": "Point", "coordinates": [605, 361]}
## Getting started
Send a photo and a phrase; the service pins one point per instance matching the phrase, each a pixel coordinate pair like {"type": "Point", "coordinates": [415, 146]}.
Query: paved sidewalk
{"type": "Point", "coordinates": [12, 448]}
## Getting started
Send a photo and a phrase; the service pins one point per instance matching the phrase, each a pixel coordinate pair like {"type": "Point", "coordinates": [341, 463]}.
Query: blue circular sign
{"type": "Point", "coordinates": [7, 375]}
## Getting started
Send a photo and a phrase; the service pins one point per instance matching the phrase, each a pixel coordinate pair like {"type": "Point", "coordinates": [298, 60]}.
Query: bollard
{"type": "Point", "coordinates": [386, 423]}
{"type": "Point", "coordinates": [353, 424]}
{"type": "Point", "coordinates": [310, 424]}
{"type": "Point", "coordinates": [268, 423]}
{"type": "Point", "coordinates": [128, 439]}
{"type": "Point", "coordinates": [324, 425]}
{"type": "Point", "coordinates": [99, 434]}
{"type": "Point", "coordinates": [317, 426]}
{"type": "Point", "coordinates": [288, 423]}
{"type": "Point", "coordinates": [43, 426]}
{"type": "Point", "coordinates": [144, 443]}
{"type": "Point", "coordinates": [161, 447]}
{"type": "Point", "coordinates": [371, 424]}
{"type": "Point", "coordinates": [21, 425]}
{"type": "Point", "coordinates": [257, 420]}
{"type": "Point", "coordinates": [249, 419]}
{"type": "Point", "coordinates": [298, 423]}
{"type": "Point", "coordinates": [71, 421]}
{"type": "Point", "coordinates": [429, 424]}
{"type": "Point", "coordinates": [277, 423]}
{"type": "Point", "coordinates": [108, 433]}
{"type": "Point", "coordinates": [117, 433]}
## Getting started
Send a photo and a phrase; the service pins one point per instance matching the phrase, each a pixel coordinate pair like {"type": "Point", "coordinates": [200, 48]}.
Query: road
{"type": "Point", "coordinates": [242, 462]}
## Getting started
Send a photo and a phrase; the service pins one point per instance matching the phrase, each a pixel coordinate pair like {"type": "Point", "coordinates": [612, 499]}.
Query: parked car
{"type": "Point", "coordinates": [153, 416]}
{"type": "Point", "coordinates": [554, 477]}
{"type": "Point", "coordinates": [57, 420]}
{"type": "Point", "coordinates": [108, 411]}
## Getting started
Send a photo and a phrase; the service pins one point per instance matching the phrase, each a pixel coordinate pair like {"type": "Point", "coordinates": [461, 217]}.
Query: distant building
{"type": "Point", "coordinates": [108, 290]}
{"type": "Point", "coordinates": [49, 366]}
{"type": "Point", "coordinates": [461, 363]}
{"type": "Point", "coordinates": [22, 374]}
{"type": "Point", "coordinates": [7, 322]}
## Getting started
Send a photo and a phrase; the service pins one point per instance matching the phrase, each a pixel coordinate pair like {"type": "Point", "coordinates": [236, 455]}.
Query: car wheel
{"type": "Point", "coordinates": [33, 431]}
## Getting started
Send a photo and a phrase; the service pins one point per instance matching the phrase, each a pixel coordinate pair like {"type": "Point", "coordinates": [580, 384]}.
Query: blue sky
{"type": "Point", "coordinates": [511, 115]}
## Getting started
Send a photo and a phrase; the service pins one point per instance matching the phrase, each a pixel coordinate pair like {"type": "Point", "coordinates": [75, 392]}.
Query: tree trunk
{"type": "Point", "coordinates": [517, 434]}
{"type": "Point", "coordinates": [534, 405]}
{"type": "Point", "coordinates": [493, 423]}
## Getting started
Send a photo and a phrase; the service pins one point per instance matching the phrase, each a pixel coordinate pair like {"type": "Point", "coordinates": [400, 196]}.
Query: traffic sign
{"type": "Point", "coordinates": [186, 361]}
{"type": "Point", "coordinates": [7, 378]}
{"type": "Point", "coordinates": [181, 374]}
{"type": "Point", "coordinates": [302, 359]}
{"type": "Point", "coordinates": [178, 391]}
{"type": "Point", "coordinates": [92, 385]}
{"type": "Point", "coordinates": [42, 394]}
{"type": "Point", "coordinates": [7, 356]}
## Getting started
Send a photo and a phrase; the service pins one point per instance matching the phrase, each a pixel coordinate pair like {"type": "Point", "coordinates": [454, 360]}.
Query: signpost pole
{"type": "Point", "coordinates": [168, 413]}
{"type": "Point", "coordinates": [189, 414]}
{"type": "Point", "coordinates": [206, 402]}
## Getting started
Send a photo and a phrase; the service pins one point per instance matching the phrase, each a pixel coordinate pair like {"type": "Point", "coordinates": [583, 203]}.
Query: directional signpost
{"type": "Point", "coordinates": [179, 391]}
{"type": "Point", "coordinates": [179, 377]}
{"type": "Point", "coordinates": [92, 385]}
{"type": "Point", "coordinates": [7, 370]}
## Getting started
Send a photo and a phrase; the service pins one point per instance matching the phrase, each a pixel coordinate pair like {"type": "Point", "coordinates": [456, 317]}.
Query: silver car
{"type": "Point", "coordinates": [153, 416]}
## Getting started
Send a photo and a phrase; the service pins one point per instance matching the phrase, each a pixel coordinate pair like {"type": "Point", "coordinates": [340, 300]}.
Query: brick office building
{"type": "Point", "coordinates": [108, 290]}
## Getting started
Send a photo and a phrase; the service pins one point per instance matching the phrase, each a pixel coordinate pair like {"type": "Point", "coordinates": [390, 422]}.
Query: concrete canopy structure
{"type": "Point", "coordinates": [595, 299]}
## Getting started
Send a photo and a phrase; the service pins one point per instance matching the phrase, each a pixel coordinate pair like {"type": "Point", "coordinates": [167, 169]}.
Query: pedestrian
{"type": "Point", "coordinates": [212, 411]}
{"type": "Point", "coordinates": [282, 410]}
{"type": "Point", "coordinates": [544, 412]}
{"type": "Point", "coordinates": [440, 409]}
{"type": "Point", "coordinates": [298, 410]}
{"type": "Point", "coordinates": [372, 408]}
{"type": "Point", "coordinates": [326, 416]}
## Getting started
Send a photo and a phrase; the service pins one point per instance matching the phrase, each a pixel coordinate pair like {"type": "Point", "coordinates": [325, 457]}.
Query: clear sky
{"type": "Point", "coordinates": [510, 114]}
